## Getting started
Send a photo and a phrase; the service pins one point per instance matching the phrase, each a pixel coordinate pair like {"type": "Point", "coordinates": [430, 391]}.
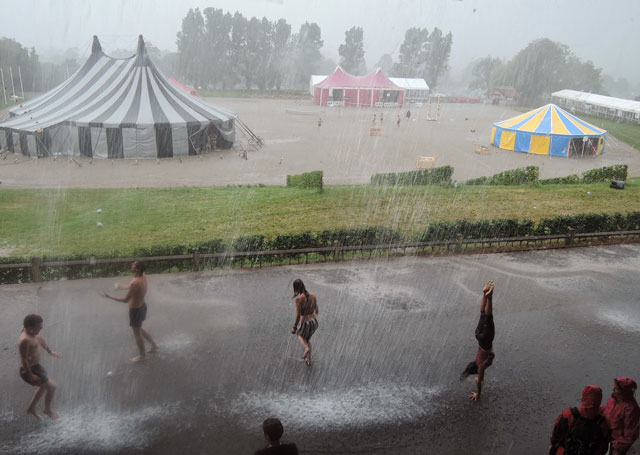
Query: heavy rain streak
{"type": "Point", "coordinates": [319, 227]}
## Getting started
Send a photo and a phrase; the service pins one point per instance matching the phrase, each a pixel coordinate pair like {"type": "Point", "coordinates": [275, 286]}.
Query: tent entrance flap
{"type": "Point", "coordinates": [164, 141]}
{"type": "Point", "coordinates": [84, 141]}
{"type": "Point", "coordinates": [115, 148]}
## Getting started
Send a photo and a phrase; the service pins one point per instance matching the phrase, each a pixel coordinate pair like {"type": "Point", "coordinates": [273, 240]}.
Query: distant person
{"type": "Point", "coordinates": [381, 117]}
{"type": "Point", "coordinates": [307, 315]}
{"type": "Point", "coordinates": [136, 291]}
{"type": "Point", "coordinates": [398, 120]}
{"type": "Point", "coordinates": [623, 414]}
{"type": "Point", "coordinates": [34, 374]}
{"type": "Point", "coordinates": [408, 114]}
{"type": "Point", "coordinates": [273, 430]}
{"type": "Point", "coordinates": [583, 430]}
{"type": "Point", "coordinates": [319, 122]}
{"type": "Point", "coordinates": [485, 333]}
{"type": "Point", "coordinates": [374, 119]}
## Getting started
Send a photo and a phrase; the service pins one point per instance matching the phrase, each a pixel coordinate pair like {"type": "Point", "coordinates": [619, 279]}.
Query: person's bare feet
{"type": "Point", "coordinates": [52, 414]}
{"type": "Point", "coordinates": [34, 413]}
{"type": "Point", "coordinates": [137, 359]}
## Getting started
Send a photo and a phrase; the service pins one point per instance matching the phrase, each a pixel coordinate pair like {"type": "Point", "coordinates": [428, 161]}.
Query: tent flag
{"type": "Point", "coordinates": [548, 130]}
{"type": "Point", "coordinates": [117, 108]}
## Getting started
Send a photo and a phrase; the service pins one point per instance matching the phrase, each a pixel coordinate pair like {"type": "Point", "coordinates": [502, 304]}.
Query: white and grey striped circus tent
{"type": "Point", "coordinates": [116, 108]}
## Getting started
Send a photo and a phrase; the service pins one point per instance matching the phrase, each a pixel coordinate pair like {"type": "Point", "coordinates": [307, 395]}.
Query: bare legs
{"type": "Point", "coordinates": [307, 349]}
{"type": "Point", "coordinates": [49, 388]}
{"type": "Point", "coordinates": [139, 333]}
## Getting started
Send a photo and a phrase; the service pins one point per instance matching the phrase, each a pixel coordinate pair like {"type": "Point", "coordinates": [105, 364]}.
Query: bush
{"type": "Point", "coordinates": [479, 229]}
{"type": "Point", "coordinates": [373, 235]}
{"type": "Point", "coordinates": [584, 223]}
{"type": "Point", "coordinates": [420, 177]}
{"type": "Point", "coordinates": [568, 180]}
{"type": "Point", "coordinates": [604, 174]}
{"type": "Point", "coordinates": [306, 180]}
{"type": "Point", "coordinates": [519, 176]}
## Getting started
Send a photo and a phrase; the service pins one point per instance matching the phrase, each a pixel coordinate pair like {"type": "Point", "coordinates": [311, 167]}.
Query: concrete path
{"type": "Point", "coordinates": [393, 338]}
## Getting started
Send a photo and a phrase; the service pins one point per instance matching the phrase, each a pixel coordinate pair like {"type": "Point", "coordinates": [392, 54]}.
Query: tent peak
{"type": "Point", "coordinates": [96, 48]}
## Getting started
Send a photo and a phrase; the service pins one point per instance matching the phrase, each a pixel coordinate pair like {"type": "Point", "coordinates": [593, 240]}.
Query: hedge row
{"type": "Point", "coordinates": [374, 235]}
{"type": "Point", "coordinates": [603, 174]}
{"type": "Point", "coordinates": [420, 177]}
{"type": "Point", "coordinates": [306, 180]}
{"type": "Point", "coordinates": [519, 176]}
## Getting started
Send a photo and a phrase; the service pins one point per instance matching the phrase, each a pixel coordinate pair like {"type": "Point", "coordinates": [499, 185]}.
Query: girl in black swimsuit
{"type": "Point", "coordinates": [307, 315]}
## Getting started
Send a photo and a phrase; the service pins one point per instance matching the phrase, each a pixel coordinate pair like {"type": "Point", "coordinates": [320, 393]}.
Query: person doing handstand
{"type": "Point", "coordinates": [31, 372]}
{"type": "Point", "coordinates": [485, 332]}
{"type": "Point", "coordinates": [307, 315]}
{"type": "Point", "coordinates": [136, 291]}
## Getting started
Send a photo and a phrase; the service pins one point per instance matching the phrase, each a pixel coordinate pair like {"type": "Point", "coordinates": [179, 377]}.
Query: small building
{"type": "Point", "coordinates": [503, 94]}
{"type": "Point", "coordinates": [343, 89]}
{"type": "Point", "coordinates": [598, 105]}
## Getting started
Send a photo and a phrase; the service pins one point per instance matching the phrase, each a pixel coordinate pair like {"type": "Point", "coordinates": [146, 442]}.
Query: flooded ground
{"type": "Point", "coordinates": [342, 147]}
{"type": "Point", "coordinates": [393, 338]}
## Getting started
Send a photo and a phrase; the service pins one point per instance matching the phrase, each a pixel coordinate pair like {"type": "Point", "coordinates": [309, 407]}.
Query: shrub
{"type": "Point", "coordinates": [603, 174]}
{"type": "Point", "coordinates": [478, 229]}
{"type": "Point", "coordinates": [420, 177]}
{"type": "Point", "coordinates": [306, 180]}
{"type": "Point", "coordinates": [569, 179]}
{"type": "Point", "coordinates": [519, 176]}
{"type": "Point", "coordinates": [372, 235]}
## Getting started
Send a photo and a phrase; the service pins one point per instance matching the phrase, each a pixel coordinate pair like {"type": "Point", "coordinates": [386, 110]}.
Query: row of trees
{"type": "Point", "coordinates": [541, 68]}
{"type": "Point", "coordinates": [37, 76]}
{"type": "Point", "coordinates": [422, 54]}
{"type": "Point", "coordinates": [220, 50]}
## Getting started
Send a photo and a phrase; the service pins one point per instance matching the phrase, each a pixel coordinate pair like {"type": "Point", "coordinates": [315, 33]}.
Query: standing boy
{"type": "Point", "coordinates": [136, 290]}
{"type": "Point", "coordinates": [31, 371]}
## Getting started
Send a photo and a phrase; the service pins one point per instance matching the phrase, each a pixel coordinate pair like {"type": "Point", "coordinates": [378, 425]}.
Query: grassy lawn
{"type": "Point", "coordinates": [65, 221]}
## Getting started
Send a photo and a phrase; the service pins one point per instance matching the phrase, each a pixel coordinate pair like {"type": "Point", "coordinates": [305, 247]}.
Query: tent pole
{"type": "Point", "coordinates": [13, 89]}
{"type": "Point", "coordinates": [21, 86]}
{"type": "Point", "coordinates": [4, 91]}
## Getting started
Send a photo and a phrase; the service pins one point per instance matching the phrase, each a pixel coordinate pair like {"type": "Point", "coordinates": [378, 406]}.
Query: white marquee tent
{"type": "Point", "coordinates": [598, 105]}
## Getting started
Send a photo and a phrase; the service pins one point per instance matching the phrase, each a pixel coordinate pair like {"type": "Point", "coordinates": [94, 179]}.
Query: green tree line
{"type": "Point", "coordinates": [541, 68]}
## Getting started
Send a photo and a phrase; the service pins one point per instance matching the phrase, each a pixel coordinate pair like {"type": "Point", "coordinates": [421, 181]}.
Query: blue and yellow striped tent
{"type": "Point", "coordinates": [548, 130]}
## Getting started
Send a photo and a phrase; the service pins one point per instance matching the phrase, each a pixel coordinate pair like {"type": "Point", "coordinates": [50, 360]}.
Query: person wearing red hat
{"type": "Point", "coordinates": [583, 430]}
{"type": "Point", "coordinates": [623, 414]}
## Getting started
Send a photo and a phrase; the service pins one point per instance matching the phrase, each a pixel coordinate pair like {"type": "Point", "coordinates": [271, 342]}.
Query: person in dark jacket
{"type": "Point", "coordinates": [273, 430]}
{"type": "Point", "coordinates": [623, 414]}
{"type": "Point", "coordinates": [485, 333]}
{"type": "Point", "coordinates": [583, 430]}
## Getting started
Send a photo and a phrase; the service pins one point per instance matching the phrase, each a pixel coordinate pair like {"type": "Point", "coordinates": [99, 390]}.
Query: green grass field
{"type": "Point", "coordinates": [65, 221]}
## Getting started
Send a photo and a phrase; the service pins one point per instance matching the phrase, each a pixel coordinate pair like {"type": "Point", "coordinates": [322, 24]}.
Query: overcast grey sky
{"type": "Point", "coordinates": [604, 31]}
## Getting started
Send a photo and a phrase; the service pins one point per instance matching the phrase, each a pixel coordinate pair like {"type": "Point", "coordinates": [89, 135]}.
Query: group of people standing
{"type": "Point", "coordinates": [587, 430]}
{"type": "Point", "coordinates": [592, 429]}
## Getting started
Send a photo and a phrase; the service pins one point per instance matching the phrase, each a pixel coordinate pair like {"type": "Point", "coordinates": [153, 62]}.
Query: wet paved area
{"type": "Point", "coordinates": [393, 338]}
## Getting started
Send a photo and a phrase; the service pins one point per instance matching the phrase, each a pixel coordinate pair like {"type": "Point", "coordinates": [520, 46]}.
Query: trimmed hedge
{"type": "Point", "coordinates": [420, 177]}
{"type": "Point", "coordinates": [569, 179]}
{"type": "Point", "coordinates": [519, 176]}
{"type": "Point", "coordinates": [604, 174]}
{"type": "Point", "coordinates": [306, 180]}
{"type": "Point", "coordinates": [370, 235]}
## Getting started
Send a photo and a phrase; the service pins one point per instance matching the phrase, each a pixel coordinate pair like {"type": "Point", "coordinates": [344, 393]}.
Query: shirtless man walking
{"type": "Point", "coordinates": [485, 332]}
{"type": "Point", "coordinates": [31, 371]}
{"type": "Point", "coordinates": [136, 290]}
